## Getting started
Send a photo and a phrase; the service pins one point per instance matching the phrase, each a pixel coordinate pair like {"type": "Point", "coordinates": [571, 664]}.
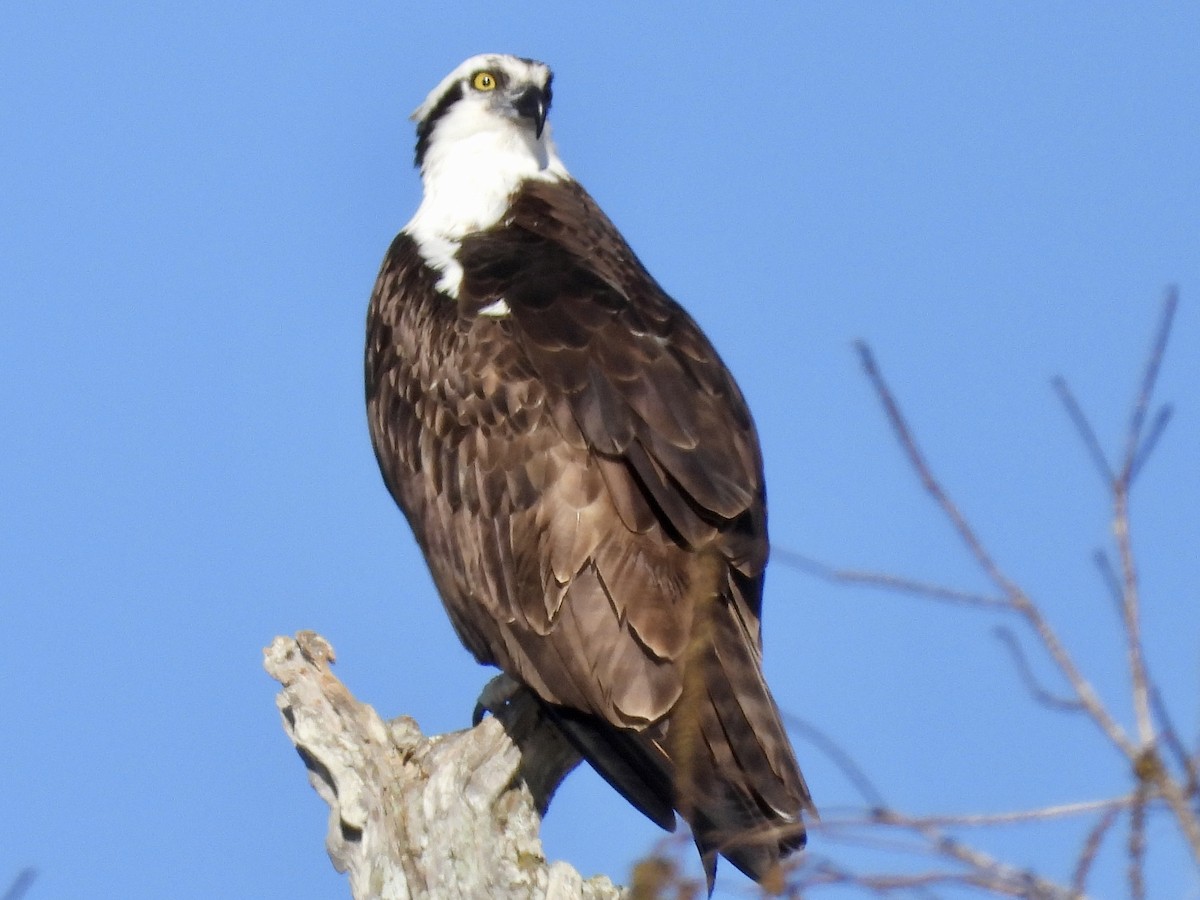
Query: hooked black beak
{"type": "Point", "coordinates": [533, 104]}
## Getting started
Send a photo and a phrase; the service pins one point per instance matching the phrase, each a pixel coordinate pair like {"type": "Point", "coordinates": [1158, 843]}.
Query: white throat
{"type": "Point", "coordinates": [474, 164]}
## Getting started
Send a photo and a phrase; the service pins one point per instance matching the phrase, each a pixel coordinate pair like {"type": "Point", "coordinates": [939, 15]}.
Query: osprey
{"type": "Point", "coordinates": [580, 470]}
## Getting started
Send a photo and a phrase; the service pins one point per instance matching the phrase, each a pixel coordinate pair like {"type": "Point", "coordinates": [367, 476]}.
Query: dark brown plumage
{"type": "Point", "coordinates": [584, 478]}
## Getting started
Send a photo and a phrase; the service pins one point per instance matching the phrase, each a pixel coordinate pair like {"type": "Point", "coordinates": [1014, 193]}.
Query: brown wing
{"type": "Point", "coordinates": [585, 481]}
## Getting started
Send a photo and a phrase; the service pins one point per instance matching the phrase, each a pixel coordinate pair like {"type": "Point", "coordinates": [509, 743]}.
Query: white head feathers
{"type": "Point", "coordinates": [480, 133]}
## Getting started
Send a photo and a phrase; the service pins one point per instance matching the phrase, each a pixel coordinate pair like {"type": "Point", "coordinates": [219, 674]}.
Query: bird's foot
{"type": "Point", "coordinates": [496, 695]}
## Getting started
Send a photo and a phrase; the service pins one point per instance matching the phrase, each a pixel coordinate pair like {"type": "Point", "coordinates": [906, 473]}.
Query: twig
{"type": "Point", "coordinates": [1130, 605]}
{"type": "Point", "coordinates": [990, 876]}
{"type": "Point", "coordinates": [1086, 433]}
{"type": "Point", "coordinates": [839, 757]}
{"type": "Point", "coordinates": [1161, 419]}
{"type": "Point", "coordinates": [932, 486]}
{"type": "Point", "coordinates": [1121, 488]}
{"type": "Point", "coordinates": [1021, 816]}
{"type": "Point", "coordinates": [1034, 884]}
{"type": "Point", "coordinates": [1137, 418]}
{"type": "Point", "coordinates": [794, 560]}
{"type": "Point", "coordinates": [21, 884]}
{"type": "Point", "coordinates": [1185, 814]}
{"type": "Point", "coordinates": [1137, 846]}
{"type": "Point", "coordinates": [979, 868]}
{"type": "Point", "coordinates": [1158, 774]}
{"type": "Point", "coordinates": [862, 831]}
{"type": "Point", "coordinates": [1040, 694]}
{"type": "Point", "coordinates": [1172, 740]}
{"type": "Point", "coordinates": [1111, 582]}
{"type": "Point", "coordinates": [1091, 847]}
{"type": "Point", "coordinates": [830, 875]}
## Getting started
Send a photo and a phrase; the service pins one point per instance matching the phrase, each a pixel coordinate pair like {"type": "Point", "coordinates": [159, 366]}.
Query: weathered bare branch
{"type": "Point", "coordinates": [413, 816]}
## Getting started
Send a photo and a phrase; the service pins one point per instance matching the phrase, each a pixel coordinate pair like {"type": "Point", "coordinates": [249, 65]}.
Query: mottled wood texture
{"type": "Point", "coordinates": [410, 816]}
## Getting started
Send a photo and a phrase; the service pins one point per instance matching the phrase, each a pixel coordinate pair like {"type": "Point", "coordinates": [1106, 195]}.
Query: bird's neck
{"type": "Point", "coordinates": [469, 181]}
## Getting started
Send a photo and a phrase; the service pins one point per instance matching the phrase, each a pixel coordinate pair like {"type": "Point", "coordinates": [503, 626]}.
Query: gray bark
{"type": "Point", "coordinates": [446, 816]}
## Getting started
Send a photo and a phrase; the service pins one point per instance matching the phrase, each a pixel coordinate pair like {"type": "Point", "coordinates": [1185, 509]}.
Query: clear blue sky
{"type": "Point", "coordinates": [194, 200]}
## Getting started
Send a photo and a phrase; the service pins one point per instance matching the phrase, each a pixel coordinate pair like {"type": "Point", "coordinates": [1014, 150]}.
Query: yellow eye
{"type": "Point", "coordinates": [483, 81]}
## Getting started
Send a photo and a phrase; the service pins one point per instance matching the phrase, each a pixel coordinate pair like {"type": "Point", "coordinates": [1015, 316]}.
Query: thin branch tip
{"type": "Point", "coordinates": [1084, 429]}
{"type": "Point", "coordinates": [1134, 446]}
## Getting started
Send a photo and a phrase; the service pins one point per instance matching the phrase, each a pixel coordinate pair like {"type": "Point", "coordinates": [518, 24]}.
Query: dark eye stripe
{"type": "Point", "coordinates": [425, 128]}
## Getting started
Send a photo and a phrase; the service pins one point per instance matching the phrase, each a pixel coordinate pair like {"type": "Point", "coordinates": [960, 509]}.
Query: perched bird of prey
{"type": "Point", "coordinates": [581, 471]}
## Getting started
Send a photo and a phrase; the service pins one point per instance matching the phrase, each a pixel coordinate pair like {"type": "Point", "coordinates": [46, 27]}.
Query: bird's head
{"type": "Point", "coordinates": [491, 99]}
{"type": "Point", "coordinates": [481, 134]}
